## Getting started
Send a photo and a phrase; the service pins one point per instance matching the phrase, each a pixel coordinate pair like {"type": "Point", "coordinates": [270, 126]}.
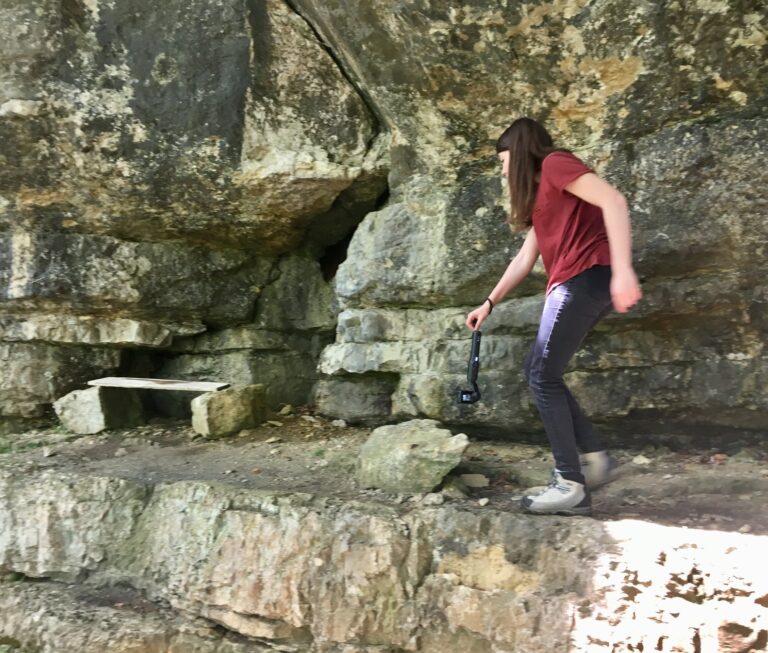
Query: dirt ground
{"type": "Point", "coordinates": [302, 452]}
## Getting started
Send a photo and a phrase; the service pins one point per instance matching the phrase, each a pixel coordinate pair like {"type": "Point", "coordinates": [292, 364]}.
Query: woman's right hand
{"type": "Point", "coordinates": [625, 289]}
{"type": "Point", "coordinates": [477, 317]}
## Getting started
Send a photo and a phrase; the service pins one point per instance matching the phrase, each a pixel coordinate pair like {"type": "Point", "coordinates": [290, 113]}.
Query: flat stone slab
{"type": "Point", "coordinates": [158, 384]}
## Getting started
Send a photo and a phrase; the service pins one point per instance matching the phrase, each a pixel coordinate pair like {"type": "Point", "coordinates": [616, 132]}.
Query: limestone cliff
{"type": "Point", "coordinates": [180, 179]}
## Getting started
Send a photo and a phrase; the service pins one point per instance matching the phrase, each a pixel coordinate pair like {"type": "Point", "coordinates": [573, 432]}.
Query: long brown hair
{"type": "Point", "coordinates": [528, 143]}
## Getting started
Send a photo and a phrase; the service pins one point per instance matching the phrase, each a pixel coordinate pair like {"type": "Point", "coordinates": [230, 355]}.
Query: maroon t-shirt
{"type": "Point", "coordinates": [570, 232]}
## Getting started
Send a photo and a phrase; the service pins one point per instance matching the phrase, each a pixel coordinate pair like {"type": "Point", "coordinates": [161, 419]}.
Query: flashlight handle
{"type": "Point", "coordinates": [474, 358]}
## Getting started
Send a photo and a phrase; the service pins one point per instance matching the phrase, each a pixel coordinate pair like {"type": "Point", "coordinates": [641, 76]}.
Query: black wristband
{"type": "Point", "coordinates": [488, 299]}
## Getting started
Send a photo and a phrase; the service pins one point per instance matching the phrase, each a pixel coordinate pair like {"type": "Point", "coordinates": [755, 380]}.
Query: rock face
{"type": "Point", "coordinates": [652, 107]}
{"type": "Point", "coordinates": [60, 617]}
{"type": "Point", "coordinates": [294, 572]}
{"type": "Point", "coordinates": [180, 183]}
{"type": "Point", "coordinates": [305, 194]}
{"type": "Point", "coordinates": [152, 187]}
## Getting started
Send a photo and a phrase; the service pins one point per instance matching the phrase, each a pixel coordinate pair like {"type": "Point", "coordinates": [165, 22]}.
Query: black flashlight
{"type": "Point", "coordinates": [471, 396]}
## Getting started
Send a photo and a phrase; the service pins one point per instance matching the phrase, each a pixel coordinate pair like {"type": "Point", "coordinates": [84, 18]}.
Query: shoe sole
{"type": "Point", "coordinates": [566, 512]}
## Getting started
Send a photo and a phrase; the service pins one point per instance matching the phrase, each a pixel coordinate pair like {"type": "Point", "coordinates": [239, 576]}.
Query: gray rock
{"type": "Point", "coordinates": [74, 619]}
{"type": "Point", "coordinates": [99, 408]}
{"type": "Point", "coordinates": [294, 321]}
{"type": "Point", "coordinates": [412, 456]}
{"type": "Point", "coordinates": [192, 207]}
{"type": "Point", "coordinates": [454, 487]}
{"type": "Point", "coordinates": [699, 242]}
{"type": "Point", "coordinates": [356, 400]}
{"type": "Point", "coordinates": [288, 375]}
{"type": "Point", "coordinates": [352, 573]}
{"type": "Point", "coordinates": [34, 375]}
{"type": "Point", "coordinates": [433, 499]}
{"type": "Point", "coordinates": [127, 223]}
{"type": "Point", "coordinates": [88, 330]}
{"type": "Point", "coordinates": [215, 414]}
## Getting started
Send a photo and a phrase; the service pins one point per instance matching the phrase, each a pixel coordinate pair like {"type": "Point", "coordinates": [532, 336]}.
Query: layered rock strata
{"type": "Point", "coordinates": [292, 571]}
{"type": "Point", "coordinates": [668, 104]}
{"type": "Point", "coordinates": [158, 164]}
{"type": "Point", "coordinates": [165, 166]}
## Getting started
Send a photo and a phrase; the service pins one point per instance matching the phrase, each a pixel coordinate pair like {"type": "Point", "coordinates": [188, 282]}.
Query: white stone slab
{"type": "Point", "coordinates": [158, 384]}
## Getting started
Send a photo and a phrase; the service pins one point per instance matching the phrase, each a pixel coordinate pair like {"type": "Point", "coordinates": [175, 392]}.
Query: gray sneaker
{"type": "Point", "coordinates": [560, 497]}
{"type": "Point", "coordinates": [599, 468]}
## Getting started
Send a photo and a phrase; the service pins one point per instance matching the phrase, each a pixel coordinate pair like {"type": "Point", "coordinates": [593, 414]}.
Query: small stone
{"type": "Point", "coordinates": [49, 451]}
{"type": "Point", "coordinates": [745, 529]}
{"type": "Point", "coordinates": [256, 470]}
{"type": "Point", "coordinates": [339, 422]}
{"type": "Point", "coordinates": [286, 410]}
{"type": "Point", "coordinates": [229, 471]}
{"type": "Point", "coordinates": [641, 460]}
{"type": "Point", "coordinates": [121, 451]}
{"type": "Point", "coordinates": [274, 450]}
{"type": "Point", "coordinates": [274, 422]}
{"type": "Point", "coordinates": [483, 501]}
{"type": "Point", "coordinates": [474, 480]}
{"type": "Point", "coordinates": [318, 562]}
{"type": "Point", "coordinates": [455, 488]}
{"type": "Point", "coordinates": [433, 499]}
{"type": "Point", "coordinates": [274, 438]}
{"type": "Point", "coordinates": [309, 418]}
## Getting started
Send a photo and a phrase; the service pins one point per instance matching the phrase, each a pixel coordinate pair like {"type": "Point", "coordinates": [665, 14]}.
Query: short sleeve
{"type": "Point", "coordinates": [561, 168]}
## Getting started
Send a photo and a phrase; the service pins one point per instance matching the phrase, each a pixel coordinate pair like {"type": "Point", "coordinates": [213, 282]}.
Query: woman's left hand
{"type": "Point", "coordinates": [625, 289]}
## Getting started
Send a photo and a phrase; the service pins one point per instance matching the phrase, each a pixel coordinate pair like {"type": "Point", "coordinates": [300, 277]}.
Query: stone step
{"type": "Point", "coordinates": [305, 573]}
{"type": "Point", "coordinates": [53, 617]}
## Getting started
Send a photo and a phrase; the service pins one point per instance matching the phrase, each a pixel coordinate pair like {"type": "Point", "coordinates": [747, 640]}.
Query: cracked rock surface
{"type": "Point", "coordinates": [267, 537]}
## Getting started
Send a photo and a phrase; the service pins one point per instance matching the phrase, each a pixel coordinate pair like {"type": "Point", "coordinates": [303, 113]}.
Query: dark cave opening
{"type": "Point", "coordinates": [335, 254]}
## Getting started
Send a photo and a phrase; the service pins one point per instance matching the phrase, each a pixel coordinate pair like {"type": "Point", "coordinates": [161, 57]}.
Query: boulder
{"type": "Point", "coordinates": [96, 409]}
{"type": "Point", "coordinates": [216, 414]}
{"type": "Point", "coordinates": [412, 456]}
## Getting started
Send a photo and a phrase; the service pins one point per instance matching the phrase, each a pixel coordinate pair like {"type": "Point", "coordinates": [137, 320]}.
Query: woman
{"type": "Point", "coordinates": [580, 226]}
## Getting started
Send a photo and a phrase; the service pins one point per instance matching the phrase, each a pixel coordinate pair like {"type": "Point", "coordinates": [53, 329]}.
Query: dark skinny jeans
{"type": "Point", "coordinates": [571, 309]}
